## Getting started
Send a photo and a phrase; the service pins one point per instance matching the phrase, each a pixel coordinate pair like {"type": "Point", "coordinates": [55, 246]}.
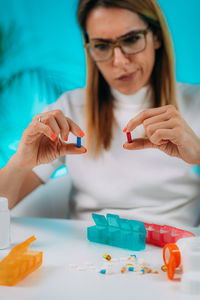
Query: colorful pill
{"type": "Point", "coordinates": [103, 271]}
{"type": "Point", "coordinates": [141, 262]}
{"type": "Point", "coordinates": [107, 257]}
{"type": "Point", "coordinates": [164, 268]}
{"type": "Point", "coordinates": [147, 270]}
{"type": "Point", "coordinates": [123, 270]}
{"type": "Point", "coordinates": [131, 269]}
{"type": "Point", "coordinates": [78, 143]}
{"type": "Point", "coordinates": [132, 257]}
{"type": "Point", "coordinates": [129, 139]}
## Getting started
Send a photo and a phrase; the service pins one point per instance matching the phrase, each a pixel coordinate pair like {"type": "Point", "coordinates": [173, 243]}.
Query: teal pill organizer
{"type": "Point", "coordinates": [115, 231]}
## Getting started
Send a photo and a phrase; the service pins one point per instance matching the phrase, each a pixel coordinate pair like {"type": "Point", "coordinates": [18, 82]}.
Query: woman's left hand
{"type": "Point", "coordinates": [165, 130]}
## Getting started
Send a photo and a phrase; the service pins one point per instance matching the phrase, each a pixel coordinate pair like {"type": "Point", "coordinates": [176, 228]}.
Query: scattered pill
{"type": "Point", "coordinates": [141, 262]}
{"type": "Point", "coordinates": [107, 257]}
{"type": "Point", "coordinates": [164, 268]}
{"type": "Point", "coordinates": [109, 272]}
{"type": "Point", "coordinates": [142, 272]}
{"type": "Point", "coordinates": [147, 270]}
{"type": "Point", "coordinates": [113, 266]}
{"type": "Point", "coordinates": [132, 257]}
{"type": "Point", "coordinates": [123, 270]}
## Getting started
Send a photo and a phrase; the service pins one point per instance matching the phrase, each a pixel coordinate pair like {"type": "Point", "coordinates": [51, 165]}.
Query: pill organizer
{"type": "Point", "coordinates": [19, 263]}
{"type": "Point", "coordinates": [118, 232]}
{"type": "Point", "coordinates": [160, 235]}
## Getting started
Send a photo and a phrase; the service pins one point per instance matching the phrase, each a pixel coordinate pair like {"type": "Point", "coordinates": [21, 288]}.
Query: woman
{"type": "Point", "coordinates": [130, 88]}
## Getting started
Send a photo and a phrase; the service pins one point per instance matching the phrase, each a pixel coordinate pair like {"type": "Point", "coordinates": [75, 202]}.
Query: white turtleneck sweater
{"type": "Point", "coordinates": [146, 185]}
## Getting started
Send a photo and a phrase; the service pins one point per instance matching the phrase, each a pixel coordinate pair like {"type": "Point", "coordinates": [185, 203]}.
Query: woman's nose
{"type": "Point", "coordinates": [119, 58]}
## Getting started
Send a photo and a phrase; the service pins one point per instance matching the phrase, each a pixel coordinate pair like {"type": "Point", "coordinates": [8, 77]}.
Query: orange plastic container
{"type": "Point", "coordinates": [19, 263]}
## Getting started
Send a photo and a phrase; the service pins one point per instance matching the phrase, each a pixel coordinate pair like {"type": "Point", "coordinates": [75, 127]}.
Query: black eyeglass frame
{"type": "Point", "coordinates": [117, 43]}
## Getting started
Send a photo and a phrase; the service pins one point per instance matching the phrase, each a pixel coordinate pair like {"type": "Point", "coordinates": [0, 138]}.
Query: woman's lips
{"type": "Point", "coordinates": [127, 76]}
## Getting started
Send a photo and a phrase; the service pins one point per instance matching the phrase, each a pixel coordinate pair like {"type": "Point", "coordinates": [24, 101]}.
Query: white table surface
{"type": "Point", "coordinates": [64, 242]}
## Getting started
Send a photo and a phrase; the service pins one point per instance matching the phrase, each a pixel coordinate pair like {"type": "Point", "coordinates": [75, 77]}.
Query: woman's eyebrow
{"type": "Point", "coordinates": [101, 40]}
{"type": "Point", "coordinates": [118, 38]}
{"type": "Point", "coordinates": [130, 33]}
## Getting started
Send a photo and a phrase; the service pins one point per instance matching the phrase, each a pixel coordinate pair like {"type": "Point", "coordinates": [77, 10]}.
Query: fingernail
{"type": "Point", "coordinates": [124, 130]}
{"type": "Point", "coordinates": [53, 136]}
{"type": "Point", "coordinates": [81, 133]}
{"type": "Point", "coordinates": [85, 151]}
{"type": "Point", "coordinates": [66, 139]}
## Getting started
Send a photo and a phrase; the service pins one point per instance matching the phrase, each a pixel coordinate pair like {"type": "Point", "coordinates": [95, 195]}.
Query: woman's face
{"type": "Point", "coordinates": [125, 73]}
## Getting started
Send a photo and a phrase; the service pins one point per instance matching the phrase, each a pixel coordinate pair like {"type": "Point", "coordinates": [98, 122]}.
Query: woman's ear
{"type": "Point", "coordinates": [157, 40]}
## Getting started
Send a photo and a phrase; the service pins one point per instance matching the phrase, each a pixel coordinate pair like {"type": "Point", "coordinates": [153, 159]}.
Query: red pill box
{"type": "Point", "coordinates": [160, 235]}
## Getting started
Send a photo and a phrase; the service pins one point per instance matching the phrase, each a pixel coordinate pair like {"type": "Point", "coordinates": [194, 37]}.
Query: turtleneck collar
{"type": "Point", "coordinates": [142, 99]}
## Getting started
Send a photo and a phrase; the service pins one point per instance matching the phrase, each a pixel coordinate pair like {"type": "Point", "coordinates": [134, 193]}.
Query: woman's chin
{"type": "Point", "coordinates": [133, 89]}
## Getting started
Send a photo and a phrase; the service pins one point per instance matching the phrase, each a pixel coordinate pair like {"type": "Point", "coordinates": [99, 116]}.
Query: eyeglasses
{"type": "Point", "coordinates": [132, 43]}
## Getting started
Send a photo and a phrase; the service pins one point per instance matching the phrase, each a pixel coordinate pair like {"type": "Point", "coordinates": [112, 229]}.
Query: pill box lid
{"type": "Point", "coordinates": [99, 220]}
{"type": "Point", "coordinates": [113, 220]}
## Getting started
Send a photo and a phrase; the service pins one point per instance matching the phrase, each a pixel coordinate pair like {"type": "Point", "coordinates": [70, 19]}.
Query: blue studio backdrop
{"type": "Point", "coordinates": [41, 56]}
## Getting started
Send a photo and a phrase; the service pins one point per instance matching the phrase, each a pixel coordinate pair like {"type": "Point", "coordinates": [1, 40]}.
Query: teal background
{"type": "Point", "coordinates": [41, 56]}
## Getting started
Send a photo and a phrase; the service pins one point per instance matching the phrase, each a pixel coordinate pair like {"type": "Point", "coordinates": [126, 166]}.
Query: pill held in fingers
{"type": "Point", "coordinates": [78, 143]}
{"type": "Point", "coordinates": [129, 139]}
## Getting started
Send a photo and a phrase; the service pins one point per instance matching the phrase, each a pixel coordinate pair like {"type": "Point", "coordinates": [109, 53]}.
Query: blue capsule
{"type": "Point", "coordinates": [78, 143]}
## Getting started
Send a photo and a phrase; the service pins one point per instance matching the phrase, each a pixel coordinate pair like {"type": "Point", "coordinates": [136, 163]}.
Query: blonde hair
{"type": "Point", "coordinates": [99, 101]}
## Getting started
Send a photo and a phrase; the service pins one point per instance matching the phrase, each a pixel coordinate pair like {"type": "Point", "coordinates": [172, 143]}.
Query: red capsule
{"type": "Point", "coordinates": [129, 139]}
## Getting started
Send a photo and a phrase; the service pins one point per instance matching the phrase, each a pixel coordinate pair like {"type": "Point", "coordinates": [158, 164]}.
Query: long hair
{"type": "Point", "coordinates": [99, 100]}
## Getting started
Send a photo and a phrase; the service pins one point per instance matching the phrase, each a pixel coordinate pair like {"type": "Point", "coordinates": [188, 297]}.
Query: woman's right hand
{"type": "Point", "coordinates": [40, 142]}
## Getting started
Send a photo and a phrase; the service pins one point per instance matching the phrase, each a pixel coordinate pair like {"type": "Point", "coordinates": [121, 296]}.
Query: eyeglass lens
{"type": "Point", "coordinates": [131, 45]}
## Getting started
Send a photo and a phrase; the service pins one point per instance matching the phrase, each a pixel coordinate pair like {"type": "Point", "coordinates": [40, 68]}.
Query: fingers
{"type": "Point", "coordinates": [164, 135]}
{"type": "Point", "coordinates": [75, 129]}
{"type": "Point", "coordinates": [35, 129]}
{"type": "Point", "coordinates": [59, 124]}
{"type": "Point", "coordinates": [62, 127]}
{"type": "Point", "coordinates": [71, 149]}
{"type": "Point", "coordinates": [138, 144]}
{"type": "Point", "coordinates": [153, 128]}
{"type": "Point", "coordinates": [162, 124]}
{"type": "Point", "coordinates": [146, 116]}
